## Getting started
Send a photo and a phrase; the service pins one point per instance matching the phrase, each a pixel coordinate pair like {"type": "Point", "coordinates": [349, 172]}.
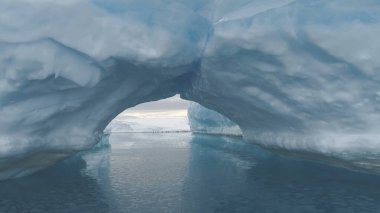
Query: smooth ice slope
{"type": "Point", "coordinates": [203, 120]}
{"type": "Point", "coordinates": [295, 75]}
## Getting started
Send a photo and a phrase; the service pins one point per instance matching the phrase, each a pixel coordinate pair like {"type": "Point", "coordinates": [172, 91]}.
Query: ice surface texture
{"type": "Point", "coordinates": [298, 75]}
{"type": "Point", "coordinates": [203, 120]}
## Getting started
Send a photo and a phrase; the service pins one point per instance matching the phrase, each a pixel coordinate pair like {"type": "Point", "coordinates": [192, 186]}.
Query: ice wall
{"type": "Point", "coordinates": [67, 68]}
{"type": "Point", "coordinates": [203, 120]}
{"type": "Point", "coordinates": [295, 75]}
{"type": "Point", "coordinates": [301, 77]}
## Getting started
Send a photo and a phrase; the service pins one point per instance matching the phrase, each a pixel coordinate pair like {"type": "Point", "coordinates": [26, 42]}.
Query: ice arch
{"type": "Point", "coordinates": [293, 74]}
{"type": "Point", "coordinates": [48, 116]}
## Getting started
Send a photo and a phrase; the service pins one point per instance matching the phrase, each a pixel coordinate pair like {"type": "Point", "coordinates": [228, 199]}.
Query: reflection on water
{"type": "Point", "coordinates": [185, 173]}
{"type": "Point", "coordinates": [62, 188]}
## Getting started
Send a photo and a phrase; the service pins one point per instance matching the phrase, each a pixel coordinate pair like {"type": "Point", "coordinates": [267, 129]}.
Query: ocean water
{"type": "Point", "coordinates": [181, 172]}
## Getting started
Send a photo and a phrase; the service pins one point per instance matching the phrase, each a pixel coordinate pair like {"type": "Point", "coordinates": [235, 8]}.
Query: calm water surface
{"type": "Point", "coordinates": [189, 173]}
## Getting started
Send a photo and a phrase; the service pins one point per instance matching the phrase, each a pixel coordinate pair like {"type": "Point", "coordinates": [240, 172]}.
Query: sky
{"type": "Point", "coordinates": [164, 115]}
{"type": "Point", "coordinates": [173, 103]}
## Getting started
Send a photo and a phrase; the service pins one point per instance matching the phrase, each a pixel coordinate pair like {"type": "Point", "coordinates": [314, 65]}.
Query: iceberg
{"type": "Point", "coordinates": [294, 75]}
{"type": "Point", "coordinates": [149, 122]}
{"type": "Point", "coordinates": [203, 120]}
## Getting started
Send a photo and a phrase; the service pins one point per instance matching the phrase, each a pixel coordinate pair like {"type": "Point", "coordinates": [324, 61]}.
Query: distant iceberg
{"type": "Point", "coordinates": [150, 121]}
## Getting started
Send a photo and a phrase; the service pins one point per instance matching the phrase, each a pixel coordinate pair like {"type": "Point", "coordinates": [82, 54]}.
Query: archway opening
{"type": "Point", "coordinates": [166, 115]}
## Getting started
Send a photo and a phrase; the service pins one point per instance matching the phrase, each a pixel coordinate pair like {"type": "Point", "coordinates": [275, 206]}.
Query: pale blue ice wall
{"type": "Point", "coordinates": [203, 120]}
{"type": "Point", "coordinates": [300, 75]}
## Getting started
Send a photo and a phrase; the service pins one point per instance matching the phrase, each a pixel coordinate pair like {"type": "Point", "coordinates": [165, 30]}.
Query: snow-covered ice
{"type": "Point", "coordinates": [298, 75]}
